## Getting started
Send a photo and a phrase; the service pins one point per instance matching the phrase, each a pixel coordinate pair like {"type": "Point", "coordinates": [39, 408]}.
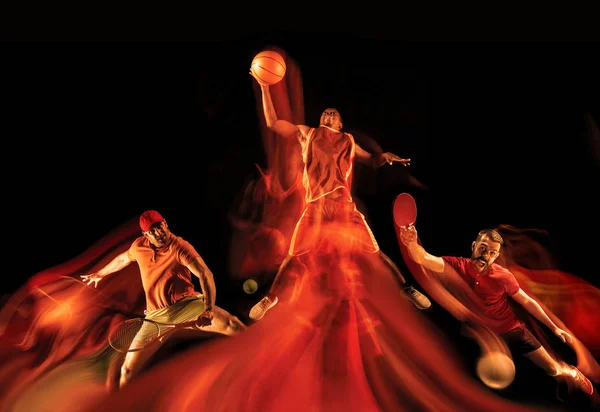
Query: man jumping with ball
{"type": "Point", "coordinates": [328, 154]}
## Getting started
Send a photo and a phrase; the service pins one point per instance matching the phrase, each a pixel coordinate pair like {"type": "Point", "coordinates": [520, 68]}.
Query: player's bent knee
{"type": "Point", "coordinates": [126, 373]}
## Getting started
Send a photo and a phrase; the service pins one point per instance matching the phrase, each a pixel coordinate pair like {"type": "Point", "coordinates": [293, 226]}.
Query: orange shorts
{"type": "Point", "coordinates": [332, 224]}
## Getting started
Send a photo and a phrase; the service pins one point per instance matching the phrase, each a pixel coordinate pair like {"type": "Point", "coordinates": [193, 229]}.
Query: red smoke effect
{"type": "Point", "coordinates": [343, 336]}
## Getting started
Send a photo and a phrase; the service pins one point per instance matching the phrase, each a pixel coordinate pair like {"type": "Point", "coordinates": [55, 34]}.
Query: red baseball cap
{"type": "Point", "coordinates": [148, 218]}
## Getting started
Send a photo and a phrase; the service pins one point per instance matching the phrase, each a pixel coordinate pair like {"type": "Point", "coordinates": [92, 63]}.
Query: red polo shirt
{"type": "Point", "coordinates": [493, 286]}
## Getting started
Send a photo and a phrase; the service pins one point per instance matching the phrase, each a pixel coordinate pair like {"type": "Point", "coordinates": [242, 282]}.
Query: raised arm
{"type": "Point", "coordinates": [377, 160]}
{"type": "Point", "coordinates": [119, 262]}
{"type": "Point", "coordinates": [279, 126]}
{"type": "Point", "coordinates": [408, 237]}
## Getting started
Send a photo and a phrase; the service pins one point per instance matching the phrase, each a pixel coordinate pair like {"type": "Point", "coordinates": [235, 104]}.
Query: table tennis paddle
{"type": "Point", "coordinates": [404, 210]}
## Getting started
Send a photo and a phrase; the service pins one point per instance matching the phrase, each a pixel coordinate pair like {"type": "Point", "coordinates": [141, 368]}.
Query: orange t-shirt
{"type": "Point", "coordinates": [165, 277]}
{"type": "Point", "coordinates": [328, 157]}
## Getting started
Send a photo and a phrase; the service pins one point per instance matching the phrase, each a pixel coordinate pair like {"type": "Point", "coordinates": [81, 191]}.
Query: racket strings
{"type": "Point", "coordinates": [132, 335]}
{"type": "Point", "coordinates": [135, 334]}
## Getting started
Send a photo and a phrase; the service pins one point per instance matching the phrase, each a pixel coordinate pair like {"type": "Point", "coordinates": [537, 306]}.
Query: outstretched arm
{"type": "Point", "coordinates": [408, 237]}
{"type": "Point", "coordinates": [378, 160]}
{"type": "Point", "coordinates": [119, 262]}
{"type": "Point", "coordinates": [538, 312]}
{"type": "Point", "coordinates": [437, 289]}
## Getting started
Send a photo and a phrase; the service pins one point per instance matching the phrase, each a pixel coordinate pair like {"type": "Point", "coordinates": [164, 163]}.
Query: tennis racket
{"type": "Point", "coordinates": [404, 210]}
{"type": "Point", "coordinates": [135, 334]}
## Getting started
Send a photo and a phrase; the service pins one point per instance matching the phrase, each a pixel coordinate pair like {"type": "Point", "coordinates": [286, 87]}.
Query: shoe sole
{"type": "Point", "coordinates": [421, 306]}
{"type": "Point", "coordinates": [413, 300]}
{"type": "Point", "coordinates": [418, 305]}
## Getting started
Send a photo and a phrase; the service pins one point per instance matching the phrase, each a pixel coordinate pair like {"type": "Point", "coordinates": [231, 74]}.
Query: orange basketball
{"type": "Point", "coordinates": [268, 67]}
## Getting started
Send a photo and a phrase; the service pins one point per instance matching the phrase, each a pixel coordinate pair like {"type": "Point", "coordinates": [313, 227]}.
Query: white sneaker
{"type": "Point", "coordinates": [259, 310]}
{"type": "Point", "coordinates": [417, 298]}
{"type": "Point", "coordinates": [582, 382]}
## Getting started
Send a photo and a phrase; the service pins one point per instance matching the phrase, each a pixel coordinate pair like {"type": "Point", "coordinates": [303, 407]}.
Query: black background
{"type": "Point", "coordinates": [96, 132]}
{"type": "Point", "coordinates": [98, 127]}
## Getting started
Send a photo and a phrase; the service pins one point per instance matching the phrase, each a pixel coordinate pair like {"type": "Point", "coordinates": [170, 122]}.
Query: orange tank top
{"type": "Point", "coordinates": [328, 157]}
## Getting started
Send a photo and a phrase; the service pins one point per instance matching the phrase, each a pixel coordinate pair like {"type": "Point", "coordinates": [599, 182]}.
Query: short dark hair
{"type": "Point", "coordinates": [492, 234]}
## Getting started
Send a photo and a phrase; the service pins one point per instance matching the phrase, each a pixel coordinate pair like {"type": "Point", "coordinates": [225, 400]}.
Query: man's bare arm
{"type": "Point", "coordinates": [207, 282]}
{"type": "Point", "coordinates": [279, 126]}
{"type": "Point", "coordinates": [379, 159]}
{"type": "Point", "coordinates": [408, 236]}
{"type": "Point", "coordinates": [119, 262]}
{"type": "Point", "coordinates": [538, 312]}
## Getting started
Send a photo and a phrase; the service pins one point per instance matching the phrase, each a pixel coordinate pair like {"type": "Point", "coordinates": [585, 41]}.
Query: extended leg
{"type": "Point", "coordinates": [290, 270]}
{"type": "Point", "coordinates": [544, 360]}
{"type": "Point", "coordinates": [134, 361]}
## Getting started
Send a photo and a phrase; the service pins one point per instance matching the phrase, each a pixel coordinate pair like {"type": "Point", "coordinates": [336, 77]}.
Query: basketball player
{"type": "Point", "coordinates": [328, 153]}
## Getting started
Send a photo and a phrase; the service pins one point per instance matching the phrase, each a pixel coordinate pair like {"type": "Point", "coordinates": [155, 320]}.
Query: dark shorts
{"type": "Point", "coordinates": [520, 341]}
